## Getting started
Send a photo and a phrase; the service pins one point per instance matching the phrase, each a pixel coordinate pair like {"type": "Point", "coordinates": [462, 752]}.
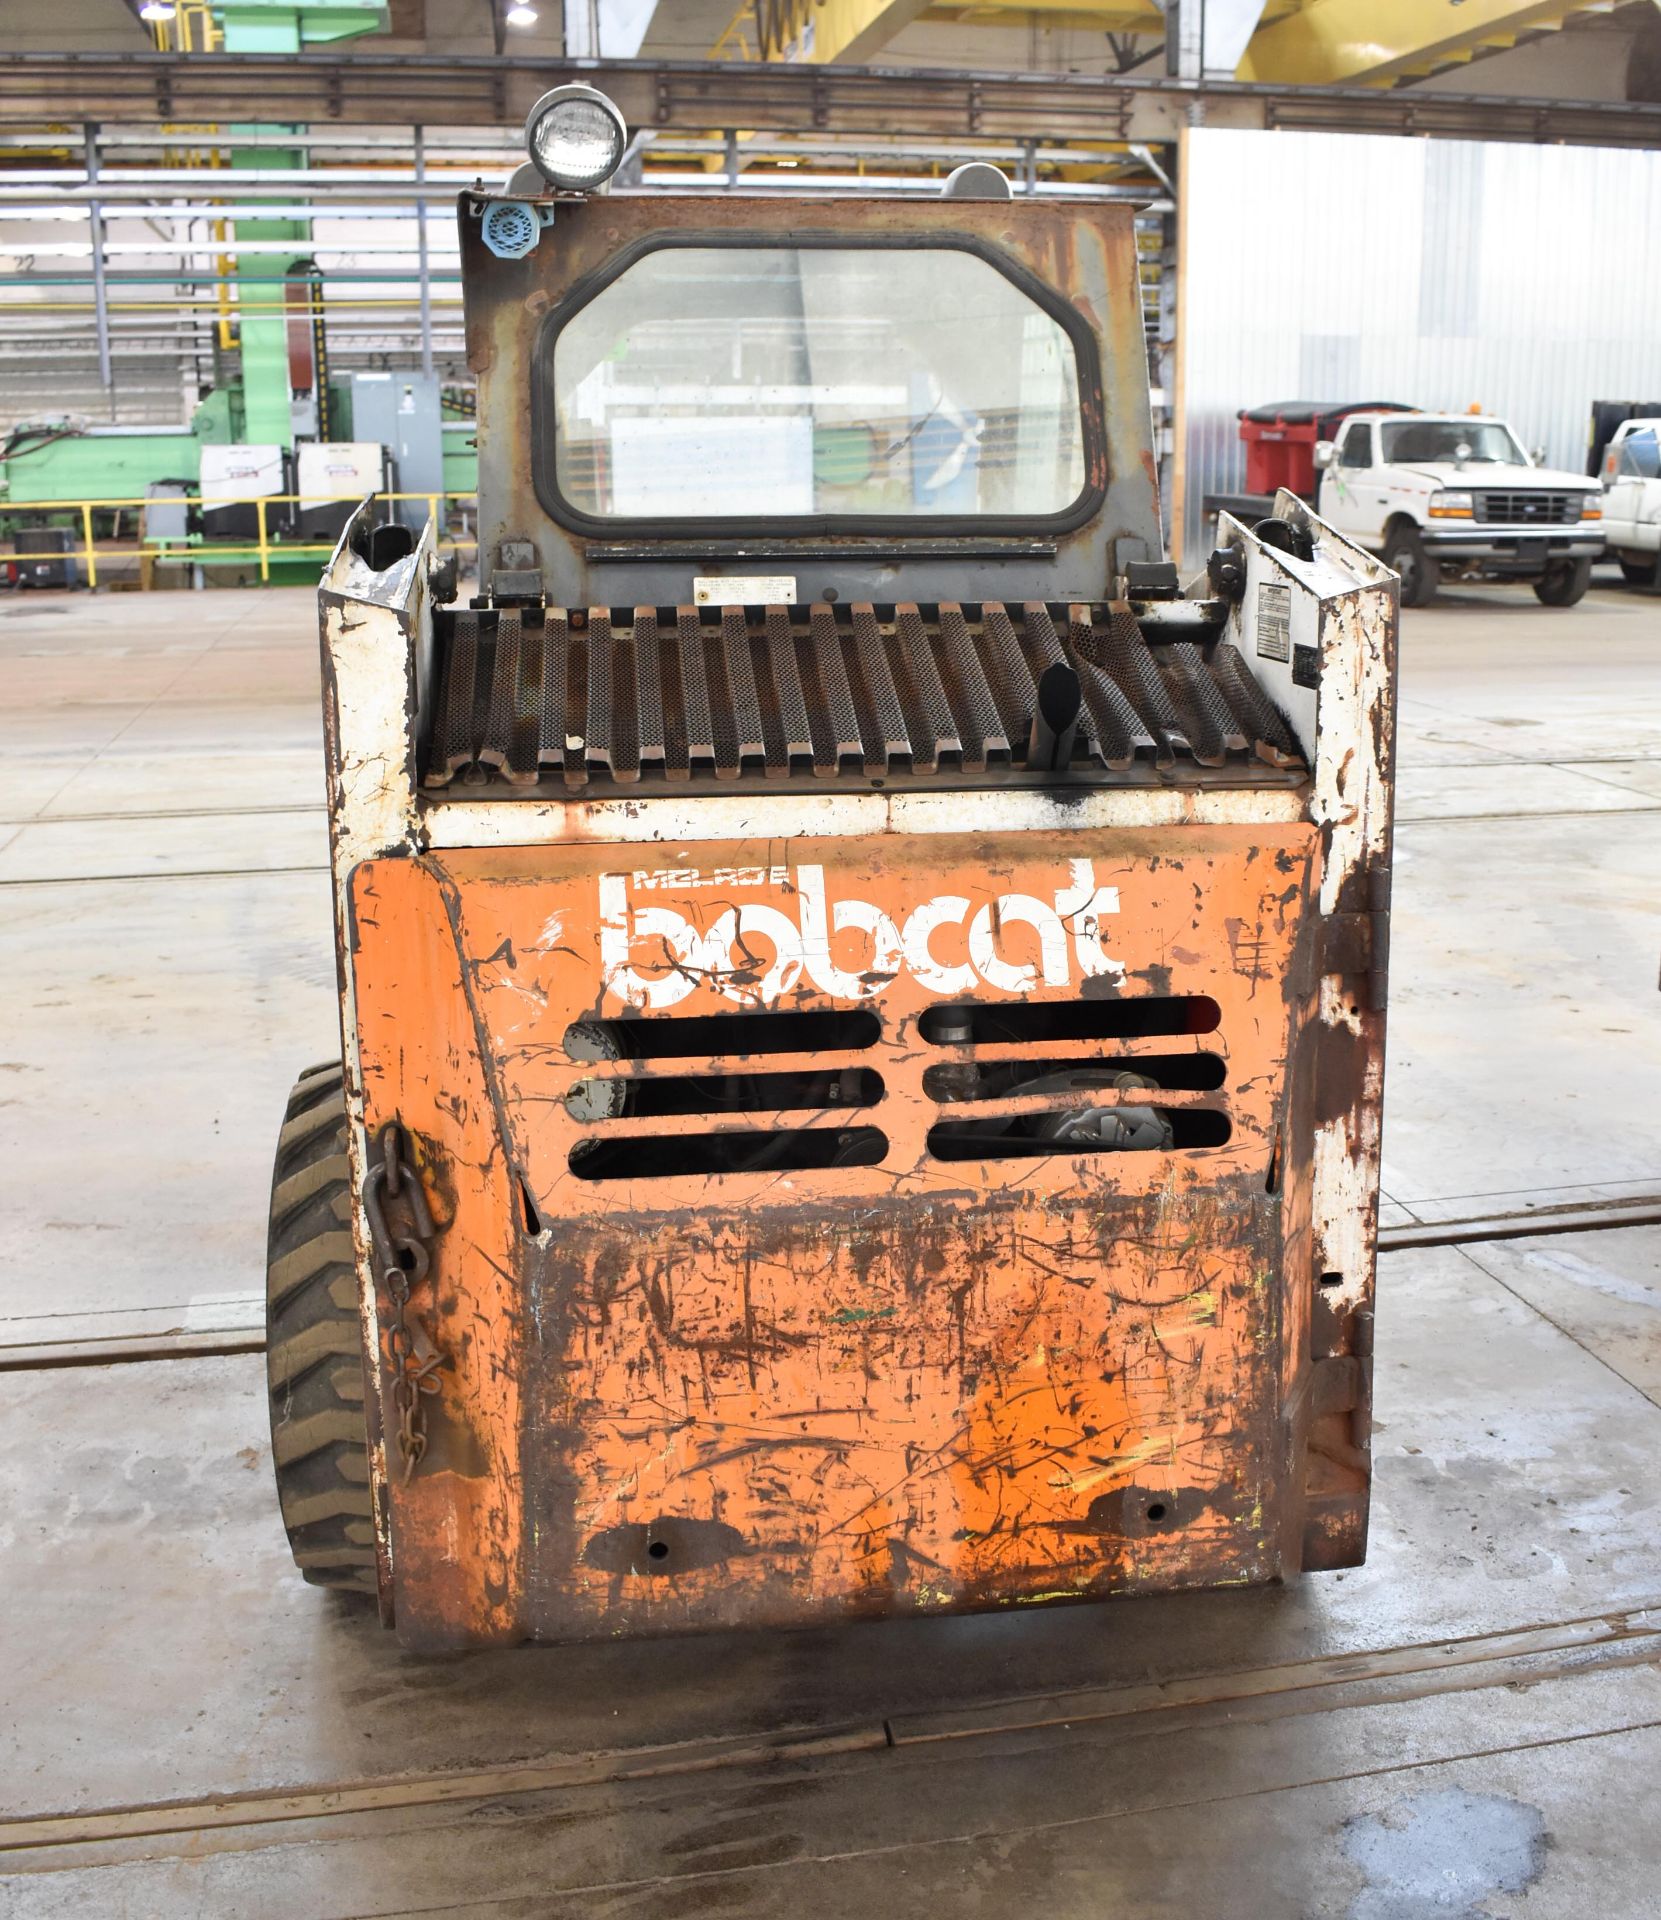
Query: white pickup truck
{"type": "Point", "coordinates": [1632, 500]}
{"type": "Point", "coordinates": [1440, 494]}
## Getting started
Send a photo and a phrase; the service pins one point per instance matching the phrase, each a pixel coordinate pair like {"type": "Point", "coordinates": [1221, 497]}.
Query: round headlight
{"type": "Point", "coordinates": [576, 138]}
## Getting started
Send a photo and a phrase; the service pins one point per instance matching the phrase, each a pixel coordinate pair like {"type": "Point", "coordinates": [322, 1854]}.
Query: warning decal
{"type": "Point", "coordinates": [1274, 623]}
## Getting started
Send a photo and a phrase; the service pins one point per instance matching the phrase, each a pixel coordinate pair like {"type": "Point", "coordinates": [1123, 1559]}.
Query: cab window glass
{"type": "Point", "coordinates": [1463, 442]}
{"type": "Point", "coordinates": [770, 382]}
{"type": "Point", "coordinates": [1641, 456]}
{"type": "Point", "coordinates": [1355, 449]}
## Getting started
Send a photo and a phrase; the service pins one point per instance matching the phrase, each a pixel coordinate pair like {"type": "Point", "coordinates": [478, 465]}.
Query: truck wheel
{"type": "Point", "coordinates": [1640, 573]}
{"type": "Point", "coordinates": [313, 1345]}
{"type": "Point", "coordinates": [1564, 584]}
{"type": "Point", "coordinates": [1404, 553]}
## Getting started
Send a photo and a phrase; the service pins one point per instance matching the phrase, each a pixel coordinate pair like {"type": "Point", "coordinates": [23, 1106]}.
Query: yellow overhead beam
{"type": "Point", "coordinates": [1344, 42]}
{"type": "Point", "coordinates": [815, 31]}
{"type": "Point", "coordinates": [1093, 16]}
{"type": "Point", "coordinates": [858, 29]}
{"type": "Point", "coordinates": [819, 31]}
{"type": "Point", "coordinates": [1105, 16]}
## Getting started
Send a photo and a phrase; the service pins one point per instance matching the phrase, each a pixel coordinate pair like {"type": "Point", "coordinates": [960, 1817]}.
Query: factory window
{"type": "Point", "coordinates": [788, 383]}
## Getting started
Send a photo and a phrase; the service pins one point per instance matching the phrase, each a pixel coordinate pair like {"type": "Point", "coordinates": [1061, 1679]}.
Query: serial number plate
{"type": "Point", "coordinates": [744, 590]}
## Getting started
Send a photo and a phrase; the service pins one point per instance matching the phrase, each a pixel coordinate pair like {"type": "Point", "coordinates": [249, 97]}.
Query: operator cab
{"type": "Point", "coordinates": [772, 489]}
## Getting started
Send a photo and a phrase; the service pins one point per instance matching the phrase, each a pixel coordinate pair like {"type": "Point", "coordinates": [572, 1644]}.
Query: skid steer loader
{"type": "Point", "coordinates": [862, 999]}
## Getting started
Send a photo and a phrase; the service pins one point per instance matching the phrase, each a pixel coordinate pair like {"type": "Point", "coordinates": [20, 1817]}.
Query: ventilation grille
{"type": "Point", "coordinates": [1014, 1081]}
{"type": "Point", "coordinates": [817, 1098]}
{"type": "Point", "coordinates": [585, 699]}
{"type": "Point", "coordinates": [511, 229]}
{"type": "Point", "coordinates": [1011, 1094]}
{"type": "Point", "coordinates": [1531, 507]}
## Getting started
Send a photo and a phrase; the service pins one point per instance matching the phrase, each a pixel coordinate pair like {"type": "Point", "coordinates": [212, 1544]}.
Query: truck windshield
{"type": "Point", "coordinates": [776, 382]}
{"type": "Point", "coordinates": [1409, 440]}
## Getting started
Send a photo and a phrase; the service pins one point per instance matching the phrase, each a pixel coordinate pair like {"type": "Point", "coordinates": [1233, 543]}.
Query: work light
{"type": "Point", "coordinates": [576, 138]}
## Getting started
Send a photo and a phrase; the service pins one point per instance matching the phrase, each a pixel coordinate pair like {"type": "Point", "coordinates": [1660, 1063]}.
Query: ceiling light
{"type": "Point", "coordinates": [521, 16]}
{"type": "Point", "coordinates": [156, 10]}
{"type": "Point", "coordinates": [576, 138]}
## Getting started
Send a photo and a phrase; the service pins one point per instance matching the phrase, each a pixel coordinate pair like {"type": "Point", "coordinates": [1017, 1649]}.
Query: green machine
{"type": "Point", "coordinates": [62, 463]}
{"type": "Point", "coordinates": [284, 392]}
{"type": "Point", "coordinates": [57, 461]}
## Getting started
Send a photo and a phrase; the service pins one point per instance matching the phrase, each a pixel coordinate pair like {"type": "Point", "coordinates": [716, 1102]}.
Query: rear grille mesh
{"type": "Point", "coordinates": [605, 698]}
{"type": "Point", "coordinates": [1530, 506]}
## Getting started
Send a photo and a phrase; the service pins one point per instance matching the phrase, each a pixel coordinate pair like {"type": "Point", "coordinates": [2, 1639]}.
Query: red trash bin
{"type": "Point", "coordinates": [1280, 439]}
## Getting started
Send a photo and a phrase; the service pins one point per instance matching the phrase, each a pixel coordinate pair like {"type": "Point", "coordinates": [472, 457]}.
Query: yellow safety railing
{"type": "Point", "coordinates": [202, 551]}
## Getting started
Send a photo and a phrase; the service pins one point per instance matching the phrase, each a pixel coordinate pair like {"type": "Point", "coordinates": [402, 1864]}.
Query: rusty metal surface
{"type": "Point", "coordinates": [469, 90]}
{"type": "Point", "coordinates": [627, 1344]}
{"type": "Point", "coordinates": [1083, 253]}
{"type": "Point", "coordinates": [891, 1147]}
{"type": "Point", "coordinates": [918, 1383]}
{"type": "Point", "coordinates": [799, 692]}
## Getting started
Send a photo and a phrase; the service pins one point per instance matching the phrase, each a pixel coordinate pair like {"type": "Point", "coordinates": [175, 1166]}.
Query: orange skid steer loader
{"type": "Point", "coordinates": [862, 999]}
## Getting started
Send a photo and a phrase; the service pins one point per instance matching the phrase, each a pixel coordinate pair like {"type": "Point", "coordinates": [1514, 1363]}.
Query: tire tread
{"type": "Point", "coordinates": [314, 1349]}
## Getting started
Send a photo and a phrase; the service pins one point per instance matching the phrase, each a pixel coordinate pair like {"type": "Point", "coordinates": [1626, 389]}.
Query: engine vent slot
{"type": "Point", "coordinates": [748, 1150]}
{"type": "Point", "coordinates": [967, 1081]}
{"type": "Point", "coordinates": [1172, 1130]}
{"type": "Point", "coordinates": [822, 1088]}
{"type": "Point", "coordinates": [1020, 1023]}
{"type": "Point", "coordinates": [703, 1035]}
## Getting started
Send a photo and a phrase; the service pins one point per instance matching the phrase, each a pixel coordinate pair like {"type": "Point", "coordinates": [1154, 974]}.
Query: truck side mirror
{"type": "Point", "coordinates": [1537, 456]}
{"type": "Point", "coordinates": [1325, 453]}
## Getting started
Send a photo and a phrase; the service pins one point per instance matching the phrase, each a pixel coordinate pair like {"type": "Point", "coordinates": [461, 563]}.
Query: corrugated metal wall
{"type": "Point", "coordinates": [1438, 273]}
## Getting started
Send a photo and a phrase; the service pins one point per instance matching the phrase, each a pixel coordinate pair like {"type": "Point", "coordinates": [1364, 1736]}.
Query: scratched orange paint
{"type": "Point", "coordinates": [457, 1534]}
{"type": "Point", "coordinates": [914, 1385]}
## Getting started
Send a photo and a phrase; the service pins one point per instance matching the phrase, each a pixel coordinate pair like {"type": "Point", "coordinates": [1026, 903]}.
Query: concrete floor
{"type": "Point", "coordinates": [1468, 1726]}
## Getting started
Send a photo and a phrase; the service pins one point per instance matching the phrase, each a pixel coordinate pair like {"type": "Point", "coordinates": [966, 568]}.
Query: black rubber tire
{"type": "Point", "coordinates": [313, 1346]}
{"type": "Point", "coordinates": [1404, 554]}
{"type": "Point", "coordinates": [1640, 573]}
{"type": "Point", "coordinates": [1564, 584]}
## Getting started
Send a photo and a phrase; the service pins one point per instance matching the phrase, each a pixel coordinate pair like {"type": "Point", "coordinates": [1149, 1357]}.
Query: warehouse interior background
{"type": "Point", "coordinates": [230, 305]}
{"type": "Point", "coordinates": [135, 298]}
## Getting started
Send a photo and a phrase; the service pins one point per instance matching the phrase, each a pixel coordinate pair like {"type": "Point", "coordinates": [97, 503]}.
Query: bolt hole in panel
{"type": "Point", "coordinates": [666, 1546]}
{"type": "Point", "coordinates": [837, 1372]}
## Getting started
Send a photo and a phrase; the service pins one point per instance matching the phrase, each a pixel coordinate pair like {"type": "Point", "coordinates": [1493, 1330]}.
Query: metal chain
{"type": "Point", "coordinates": [404, 1262]}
